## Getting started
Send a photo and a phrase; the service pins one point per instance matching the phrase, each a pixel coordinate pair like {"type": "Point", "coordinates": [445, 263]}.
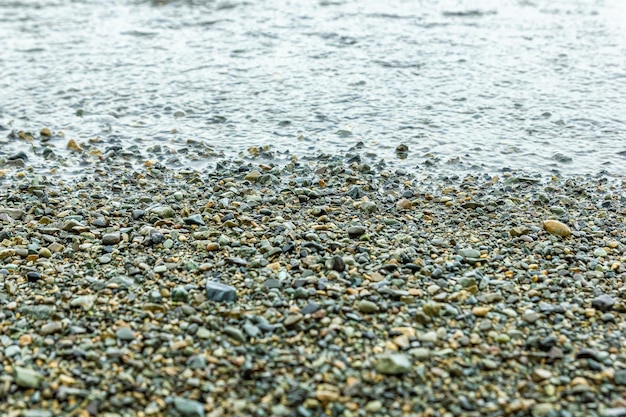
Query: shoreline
{"type": "Point", "coordinates": [346, 290]}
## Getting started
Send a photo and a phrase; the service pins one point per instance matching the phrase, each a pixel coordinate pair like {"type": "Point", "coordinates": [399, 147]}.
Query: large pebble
{"type": "Point", "coordinates": [603, 302]}
{"type": "Point", "coordinates": [393, 364]}
{"type": "Point", "coordinates": [216, 291]}
{"type": "Point", "coordinates": [26, 378]}
{"type": "Point", "coordinates": [163, 211]}
{"type": "Point", "coordinates": [556, 228]}
{"type": "Point", "coordinates": [356, 231]}
{"type": "Point", "coordinates": [112, 238]}
{"type": "Point", "coordinates": [469, 253]}
{"type": "Point", "coordinates": [188, 408]}
{"type": "Point", "coordinates": [366, 306]}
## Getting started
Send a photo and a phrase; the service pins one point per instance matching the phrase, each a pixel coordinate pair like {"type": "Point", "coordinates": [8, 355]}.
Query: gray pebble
{"type": "Point", "coordinates": [125, 333]}
{"type": "Point", "coordinates": [393, 364]}
{"type": "Point", "coordinates": [356, 231]}
{"type": "Point", "coordinates": [112, 238]}
{"type": "Point", "coordinates": [26, 378]}
{"type": "Point", "coordinates": [188, 408]}
{"type": "Point", "coordinates": [603, 302]}
{"type": "Point", "coordinates": [216, 291]}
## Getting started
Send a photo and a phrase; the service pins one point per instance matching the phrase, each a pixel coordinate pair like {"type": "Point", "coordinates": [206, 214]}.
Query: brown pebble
{"type": "Point", "coordinates": [404, 204]}
{"type": "Point", "coordinates": [72, 145]}
{"type": "Point", "coordinates": [480, 311]}
{"type": "Point", "coordinates": [212, 247]}
{"type": "Point", "coordinates": [556, 228]}
{"type": "Point", "coordinates": [45, 132]}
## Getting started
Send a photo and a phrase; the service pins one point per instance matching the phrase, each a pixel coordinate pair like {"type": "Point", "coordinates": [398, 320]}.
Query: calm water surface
{"type": "Point", "coordinates": [466, 85]}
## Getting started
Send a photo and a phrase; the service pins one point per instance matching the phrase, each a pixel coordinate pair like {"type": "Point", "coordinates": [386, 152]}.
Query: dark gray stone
{"type": "Point", "coordinates": [603, 302]}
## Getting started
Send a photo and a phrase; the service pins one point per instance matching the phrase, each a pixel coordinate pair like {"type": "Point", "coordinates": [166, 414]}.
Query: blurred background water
{"type": "Point", "coordinates": [466, 85]}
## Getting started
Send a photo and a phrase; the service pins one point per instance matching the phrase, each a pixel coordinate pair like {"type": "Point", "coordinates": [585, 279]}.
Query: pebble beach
{"type": "Point", "coordinates": [324, 286]}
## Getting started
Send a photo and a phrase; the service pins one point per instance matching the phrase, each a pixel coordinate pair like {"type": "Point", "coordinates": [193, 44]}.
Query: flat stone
{"type": "Point", "coordinates": [188, 408]}
{"type": "Point", "coordinates": [556, 228]}
{"type": "Point", "coordinates": [26, 378]}
{"type": "Point", "coordinates": [393, 364]}
{"type": "Point", "coordinates": [469, 253]}
{"type": "Point", "coordinates": [216, 291]}
{"type": "Point", "coordinates": [36, 413]}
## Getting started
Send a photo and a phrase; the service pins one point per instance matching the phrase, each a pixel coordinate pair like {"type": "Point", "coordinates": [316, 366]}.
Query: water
{"type": "Point", "coordinates": [466, 85]}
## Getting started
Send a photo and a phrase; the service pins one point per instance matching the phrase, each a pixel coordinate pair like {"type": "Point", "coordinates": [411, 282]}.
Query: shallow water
{"type": "Point", "coordinates": [466, 85]}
